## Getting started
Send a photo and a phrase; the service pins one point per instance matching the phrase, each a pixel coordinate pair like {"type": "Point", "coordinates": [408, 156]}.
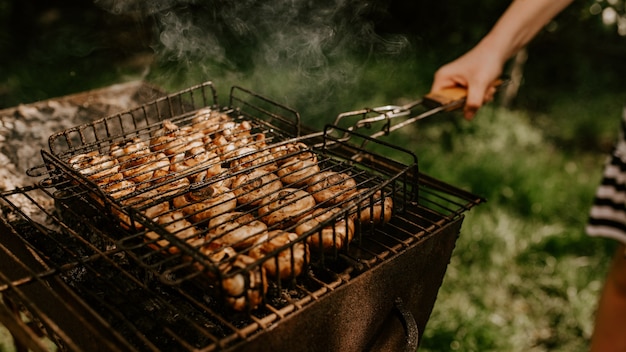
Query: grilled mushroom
{"type": "Point", "coordinates": [197, 162]}
{"type": "Point", "coordinates": [297, 169]}
{"type": "Point", "coordinates": [206, 203]}
{"type": "Point", "coordinates": [284, 152]}
{"type": "Point", "coordinates": [132, 153]}
{"type": "Point", "coordinates": [176, 224]}
{"type": "Point", "coordinates": [158, 164]}
{"type": "Point", "coordinates": [286, 207]}
{"type": "Point", "coordinates": [254, 187]}
{"type": "Point", "coordinates": [236, 229]}
{"type": "Point", "coordinates": [245, 284]}
{"type": "Point", "coordinates": [334, 235]}
{"type": "Point", "coordinates": [287, 263]}
{"type": "Point", "coordinates": [150, 204]}
{"type": "Point", "coordinates": [330, 186]}
{"type": "Point", "coordinates": [172, 140]}
{"type": "Point", "coordinates": [208, 121]}
{"type": "Point", "coordinates": [219, 256]}
{"type": "Point", "coordinates": [119, 189]}
{"type": "Point", "coordinates": [252, 157]}
{"type": "Point", "coordinates": [372, 209]}
{"type": "Point", "coordinates": [100, 168]}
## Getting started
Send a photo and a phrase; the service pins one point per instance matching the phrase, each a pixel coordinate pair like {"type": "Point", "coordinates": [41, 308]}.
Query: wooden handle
{"type": "Point", "coordinates": [446, 96]}
{"type": "Point", "coordinates": [451, 95]}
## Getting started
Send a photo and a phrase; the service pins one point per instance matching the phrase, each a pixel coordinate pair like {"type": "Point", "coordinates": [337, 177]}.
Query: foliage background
{"type": "Point", "coordinates": [524, 276]}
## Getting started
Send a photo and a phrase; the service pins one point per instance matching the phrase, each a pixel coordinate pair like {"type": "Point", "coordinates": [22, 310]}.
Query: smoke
{"type": "Point", "coordinates": [182, 39]}
{"type": "Point", "coordinates": [296, 51]}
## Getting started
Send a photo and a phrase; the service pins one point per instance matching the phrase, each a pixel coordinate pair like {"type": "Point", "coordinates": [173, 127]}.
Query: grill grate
{"type": "Point", "coordinates": [184, 186]}
{"type": "Point", "coordinates": [144, 313]}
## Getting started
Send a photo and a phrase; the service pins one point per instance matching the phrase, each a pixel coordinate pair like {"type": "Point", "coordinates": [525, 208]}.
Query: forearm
{"type": "Point", "coordinates": [478, 68]}
{"type": "Point", "coordinates": [519, 24]}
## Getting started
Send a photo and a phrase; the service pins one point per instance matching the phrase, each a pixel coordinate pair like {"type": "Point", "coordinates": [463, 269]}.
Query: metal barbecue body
{"type": "Point", "coordinates": [137, 284]}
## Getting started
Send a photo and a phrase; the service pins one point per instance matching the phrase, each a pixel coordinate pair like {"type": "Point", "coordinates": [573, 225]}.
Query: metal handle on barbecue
{"type": "Point", "coordinates": [388, 337]}
{"type": "Point", "coordinates": [447, 99]}
{"type": "Point", "coordinates": [410, 326]}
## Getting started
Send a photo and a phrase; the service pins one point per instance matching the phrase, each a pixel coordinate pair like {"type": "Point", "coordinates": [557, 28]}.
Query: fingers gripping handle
{"type": "Point", "coordinates": [451, 98]}
{"type": "Point", "coordinates": [454, 97]}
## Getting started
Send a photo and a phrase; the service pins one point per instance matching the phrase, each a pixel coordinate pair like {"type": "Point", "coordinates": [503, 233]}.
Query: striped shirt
{"type": "Point", "coordinates": [607, 217]}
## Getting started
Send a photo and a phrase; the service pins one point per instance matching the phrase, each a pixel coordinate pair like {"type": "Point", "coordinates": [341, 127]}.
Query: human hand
{"type": "Point", "coordinates": [476, 71]}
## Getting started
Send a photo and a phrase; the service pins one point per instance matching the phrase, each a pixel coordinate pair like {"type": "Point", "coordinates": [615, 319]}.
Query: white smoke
{"type": "Point", "coordinates": [181, 38]}
{"type": "Point", "coordinates": [292, 50]}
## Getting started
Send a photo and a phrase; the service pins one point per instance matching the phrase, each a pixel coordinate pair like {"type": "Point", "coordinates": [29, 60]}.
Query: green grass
{"type": "Point", "coordinates": [524, 276]}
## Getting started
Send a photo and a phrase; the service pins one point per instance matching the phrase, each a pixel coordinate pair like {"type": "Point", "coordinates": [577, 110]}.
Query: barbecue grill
{"type": "Point", "coordinates": [113, 245]}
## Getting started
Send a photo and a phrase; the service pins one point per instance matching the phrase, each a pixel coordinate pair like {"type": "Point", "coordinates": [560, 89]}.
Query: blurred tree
{"type": "Point", "coordinates": [583, 47]}
{"type": "Point", "coordinates": [612, 12]}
